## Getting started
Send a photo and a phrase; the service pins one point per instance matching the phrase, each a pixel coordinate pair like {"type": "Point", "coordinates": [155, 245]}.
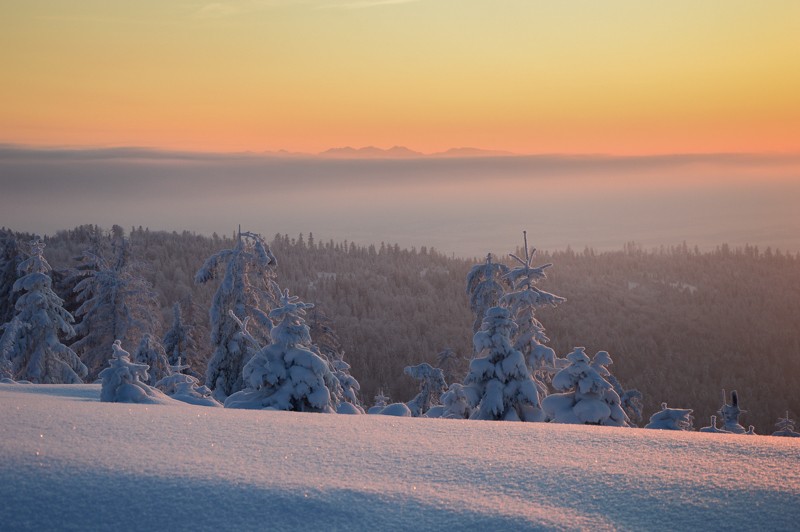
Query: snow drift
{"type": "Point", "coordinates": [69, 461]}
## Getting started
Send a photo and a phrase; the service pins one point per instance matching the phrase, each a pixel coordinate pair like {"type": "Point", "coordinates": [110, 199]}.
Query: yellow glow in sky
{"type": "Point", "coordinates": [623, 77]}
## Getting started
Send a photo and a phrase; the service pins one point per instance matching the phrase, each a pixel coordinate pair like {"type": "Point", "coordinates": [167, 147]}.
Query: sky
{"type": "Point", "coordinates": [621, 78]}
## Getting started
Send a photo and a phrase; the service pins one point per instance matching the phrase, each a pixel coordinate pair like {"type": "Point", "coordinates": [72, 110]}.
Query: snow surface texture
{"type": "Point", "coordinates": [68, 461]}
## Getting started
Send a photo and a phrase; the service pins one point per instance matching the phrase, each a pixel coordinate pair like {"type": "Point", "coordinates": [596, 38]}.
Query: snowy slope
{"type": "Point", "coordinates": [68, 461]}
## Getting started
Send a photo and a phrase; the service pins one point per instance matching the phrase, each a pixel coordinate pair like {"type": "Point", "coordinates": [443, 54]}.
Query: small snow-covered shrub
{"type": "Point", "coordinates": [671, 419]}
{"type": "Point", "coordinates": [587, 397]}
{"type": "Point", "coordinates": [186, 388]}
{"type": "Point", "coordinates": [122, 381]}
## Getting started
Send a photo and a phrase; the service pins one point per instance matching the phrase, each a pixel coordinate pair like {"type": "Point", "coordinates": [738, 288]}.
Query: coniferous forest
{"type": "Point", "coordinates": [681, 324]}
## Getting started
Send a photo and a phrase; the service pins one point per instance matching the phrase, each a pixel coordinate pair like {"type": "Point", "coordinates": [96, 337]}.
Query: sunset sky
{"type": "Point", "coordinates": [623, 77]}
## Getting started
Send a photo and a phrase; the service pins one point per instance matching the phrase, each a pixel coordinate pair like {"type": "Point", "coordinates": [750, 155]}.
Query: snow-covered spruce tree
{"type": "Point", "coordinates": [151, 353]}
{"type": "Point", "coordinates": [117, 303]}
{"type": "Point", "coordinates": [785, 426]}
{"type": "Point", "coordinates": [124, 381]}
{"type": "Point", "coordinates": [629, 400]}
{"type": "Point", "coordinates": [248, 290]}
{"type": "Point", "coordinates": [523, 302]}
{"type": "Point", "coordinates": [31, 343]}
{"type": "Point", "coordinates": [671, 419]}
{"type": "Point", "coordinates": [499, 385]}
{"type": "Point", "coordinates": [730, 414]}
{"type": "Point", "coordinates": [186, 388]}
{"type": "Point", "coordinates": [286, 375]}
{"type": "Point", "coordinates": [455, 402]}
{"type": "Point", "coordinates": [431, 386]}
{"type": "Point", "coordinates": [485, 288]}
{"type": "Point", "coordinates": [586, 398]}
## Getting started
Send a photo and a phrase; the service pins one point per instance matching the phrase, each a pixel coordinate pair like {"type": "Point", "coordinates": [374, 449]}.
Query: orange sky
{"type": "Point", "coordinates": [624, 77]}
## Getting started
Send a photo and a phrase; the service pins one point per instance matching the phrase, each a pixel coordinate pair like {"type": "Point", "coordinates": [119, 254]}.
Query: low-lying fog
{"type": "Point", "coordinates": [461, 206]}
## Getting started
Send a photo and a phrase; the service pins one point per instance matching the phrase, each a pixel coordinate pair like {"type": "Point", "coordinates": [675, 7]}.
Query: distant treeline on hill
{"type": "Point", "coordinates": [680, 324]}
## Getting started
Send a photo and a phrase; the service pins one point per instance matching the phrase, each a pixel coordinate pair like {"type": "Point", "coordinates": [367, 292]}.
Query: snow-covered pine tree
{"type": "Point", "coordinates": [431, 386]}
{"type": "Point", "coordinates": [117, 303]}
{"type": "Point", "coordinates": [499, 385]}
{"type": "Point", "coordinates": [186, 388]}
{"type": "Point", "coordinates": [286, 375]}
{"type": "Point", "coordinates": [30, 342]}
{"type": "Point", "coordinates": [586, 398]}
{"type": "Point", "coordinates": [629, 400]}
{"type": "Point", "coordinates": [785, 426]}
{"type": "Point", "coordinates": [123, 380]}
{"type": "Point", "coordinates": [151, 353]}
{"type": "Point", "coordinates": [523, 303]}
{"type": "Point", "coordinates": [671, 419]}
{"type": "Point", "coordinates": [485, 288]}
{"type": "Point", "coordinates": [249, 291]}
{"type": "Point", "coordinates": [455, 402]}
{"type": "Point", "coordinates": [730, 414]}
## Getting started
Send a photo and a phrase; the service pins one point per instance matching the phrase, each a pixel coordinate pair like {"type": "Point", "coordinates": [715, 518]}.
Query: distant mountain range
{"type": "Point", "coordinates": [401, 152]}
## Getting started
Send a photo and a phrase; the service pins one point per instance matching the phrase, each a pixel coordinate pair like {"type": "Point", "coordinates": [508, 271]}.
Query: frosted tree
{"type": "Point", "coordinates": [248, 290]}
{"type": "Point", "coordinates": [381, 402]}
{"type": "Point", "coordinates": [116, 303]}
{"type": "Point", "coordinates": [185, 388]}
{"type": "Point", "coordinates": [326, 344]}
{"type": "Point", "coordinates": [671, 419]}
{"type": "Point", "coordinates": [785, 426]}
{"type": "Point", "coordinates": [346, 393]}
{"type": "Point", "coordinates": [713, 427]}
{"type": "Point", "coordinates": [286, 375]}
{"type": "Point", "coordinates": [10, 258]}
{"type": "Point", "coordinates": [124, 381]}
{"type": "Point", "coordinates": [455, 402]}
{"type": "Point", "coordinates": [30, 342]}
{"type": "Point", "coordinates": [499, 385]}
{"type": "Point", "coordinates": [8, 344]}
{"type": "Point", "coordinates": [730, 414]}
{"type": "Point", "coordinates": [151, 353]}
{"type": "Point", "coordinates": [586, 398]}
{"type": "Point", "coordinates": [523, 303]}
{"type": "Point", "coordinates": [178, 343]}
{"type": "Point", "coordinates": [431, 386]}
{"type": "Point", "coordinates": [485, 288]}
{"type": "Point", "coordinates": [448, 360]}
{"type": "Point", "coordinates": [630, 400]}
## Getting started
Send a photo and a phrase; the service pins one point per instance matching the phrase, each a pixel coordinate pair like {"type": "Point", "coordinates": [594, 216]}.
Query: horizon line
{"type": "Point", "coordinates": [369, 152]}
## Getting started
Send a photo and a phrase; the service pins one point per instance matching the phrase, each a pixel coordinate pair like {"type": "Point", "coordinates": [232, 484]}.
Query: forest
{"type": "Point", "coordinates": [681, 324]}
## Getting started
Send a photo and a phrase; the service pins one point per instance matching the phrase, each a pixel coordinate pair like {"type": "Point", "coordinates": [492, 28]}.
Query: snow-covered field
{"type": "Point", "coordinates": [68, 461]}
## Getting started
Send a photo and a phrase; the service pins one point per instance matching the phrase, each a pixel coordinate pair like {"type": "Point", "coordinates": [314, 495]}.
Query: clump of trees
{"type": "Point", "coordinates": [383, 301]}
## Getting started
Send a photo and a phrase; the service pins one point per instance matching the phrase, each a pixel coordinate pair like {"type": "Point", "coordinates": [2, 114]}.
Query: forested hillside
{"type": "Point", "coordinates": [680, 324]}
